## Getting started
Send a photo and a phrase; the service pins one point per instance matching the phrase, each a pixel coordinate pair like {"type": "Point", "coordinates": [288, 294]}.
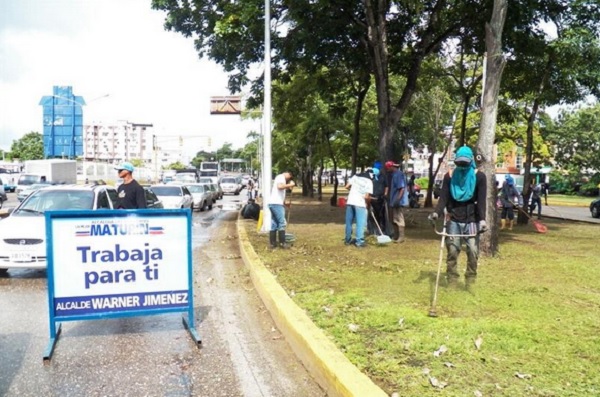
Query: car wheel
{"type": "Point", "coordinates": [210, 205]}
{"type": "Point", "coordinates": [596, 212]}
{"type": "Point", "coordinates": [3, 272]}
{"type": "Point", "coordinates": [1, 203]}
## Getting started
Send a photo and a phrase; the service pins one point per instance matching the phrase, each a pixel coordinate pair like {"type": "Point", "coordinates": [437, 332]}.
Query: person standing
{"type": "Point", "coordinates": [131, 194]}
{"type": "Point", "coordinates": [536, 199]}
{"type": "Point", "coordinates": [377, 201]}
{"type": "Point", "coordinates": [398, 199]}
{"type": "Point", "coordinates": [361, 188]}
{"type": "Point", "coordinates": [463, 196]}
{"type": "Point", "coordinates": [509, 195]}
{"type": "Point", "coordinates": [281, 183]}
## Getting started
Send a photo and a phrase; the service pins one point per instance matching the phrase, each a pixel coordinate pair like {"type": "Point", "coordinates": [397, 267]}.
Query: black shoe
{"type": "Point", "coordinates": [351, 242]}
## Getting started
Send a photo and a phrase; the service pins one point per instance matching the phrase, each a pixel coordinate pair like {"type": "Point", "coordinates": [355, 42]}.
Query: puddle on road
{"type": "Point", "coordinates": [203, 223]}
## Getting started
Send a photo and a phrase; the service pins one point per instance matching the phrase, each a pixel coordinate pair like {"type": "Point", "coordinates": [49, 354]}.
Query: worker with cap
{"type": "Point", "coordinates": [463, 196]}
{"type": "Point", "coordinates": [397, 200]}
{"type": "Point", "coordinates": [509, 198]}
{"type": "Point", "coordinates": [131, 194]}
{"type": "Point", "coordinates": [377, 200]}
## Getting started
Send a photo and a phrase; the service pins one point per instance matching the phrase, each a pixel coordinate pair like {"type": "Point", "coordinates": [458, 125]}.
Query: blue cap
{"type": "Point", "coordinates": [125, 166]}
{"type": "Point", "coordinates": [464, 155]}
{"type": "Point", "coordinates": [509, 179]}
{"type": "Point", "coordinates": [377, 165]}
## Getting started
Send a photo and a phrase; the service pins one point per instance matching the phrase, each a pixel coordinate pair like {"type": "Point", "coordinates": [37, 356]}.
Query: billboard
{"type": "Point", "coordinates": [63, 123]}
{"type": "Point", "coordinates": [225, 105]}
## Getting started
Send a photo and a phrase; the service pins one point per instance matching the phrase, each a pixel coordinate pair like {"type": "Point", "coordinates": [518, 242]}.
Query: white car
{"type": "Point", "coordinates": [23, 232]}
{"type": "Point", "coordinates": [231, 184]}
{"type": "Point", "coordinates": [173, 196]}
{"type": "Point", "coordinates": [202, 196]}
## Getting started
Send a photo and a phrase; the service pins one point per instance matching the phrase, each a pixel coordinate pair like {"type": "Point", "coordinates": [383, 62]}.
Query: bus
{"type": "Point", "coordinates": [234, 166]}
{"type": "Point", "coordinates": [209, 168]}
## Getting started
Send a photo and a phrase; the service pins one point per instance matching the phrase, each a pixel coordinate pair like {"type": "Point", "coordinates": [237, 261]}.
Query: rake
{"type": "Point", "coordinates": [539, 226]}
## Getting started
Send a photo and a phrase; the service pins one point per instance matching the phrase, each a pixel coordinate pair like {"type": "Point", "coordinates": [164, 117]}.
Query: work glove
{"type": "Point", "coordinates": [433, 216]}
{"type": "Point", "coordinates": [483, 227]}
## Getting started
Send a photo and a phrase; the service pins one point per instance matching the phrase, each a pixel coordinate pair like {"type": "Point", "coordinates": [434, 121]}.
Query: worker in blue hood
{"type": "Point", "coordinates": [463, 196]}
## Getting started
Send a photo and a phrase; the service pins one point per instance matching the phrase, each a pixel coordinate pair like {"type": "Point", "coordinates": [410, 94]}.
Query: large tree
{"type": "Point", "coordinates": [29, 147]}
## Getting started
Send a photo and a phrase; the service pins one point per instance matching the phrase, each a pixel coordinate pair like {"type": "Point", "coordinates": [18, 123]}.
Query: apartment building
{"type": "Point", "coordinates": [124, 141]}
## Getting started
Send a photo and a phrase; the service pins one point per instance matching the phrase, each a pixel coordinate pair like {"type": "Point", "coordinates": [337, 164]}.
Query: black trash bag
{"type": "Point", "coordinates": [251, 210]}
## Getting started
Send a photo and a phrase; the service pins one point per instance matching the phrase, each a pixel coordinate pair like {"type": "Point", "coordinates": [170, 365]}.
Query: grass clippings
{"type": "Point", "coordinates": [528, 326]}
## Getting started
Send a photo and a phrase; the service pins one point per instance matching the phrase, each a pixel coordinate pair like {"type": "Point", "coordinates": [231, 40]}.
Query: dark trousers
{"type": "Point", "coordinates": [378, 208]}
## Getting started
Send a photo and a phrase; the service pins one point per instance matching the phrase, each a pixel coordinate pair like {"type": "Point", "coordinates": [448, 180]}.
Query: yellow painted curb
{"type": "Point", "coordinates": [328, 366]}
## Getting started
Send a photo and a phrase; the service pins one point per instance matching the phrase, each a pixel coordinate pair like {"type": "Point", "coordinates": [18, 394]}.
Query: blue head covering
{"type": "Point", "coordinates": [509, 180]}
{"type": "Point", "coordinates": [462, 184]}
{"type": "Point", "coordinates": [377, 165]}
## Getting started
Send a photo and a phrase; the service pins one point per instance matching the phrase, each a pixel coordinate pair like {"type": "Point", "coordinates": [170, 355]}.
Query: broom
{"type": "Point", "coordinates": [382, 239]}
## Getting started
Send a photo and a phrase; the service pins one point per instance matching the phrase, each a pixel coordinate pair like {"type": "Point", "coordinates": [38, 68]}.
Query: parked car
{"type": "Point", "coordinates": [231, 184]}
{"type": "Point", "coordinates": [23, 232]}
{"type": "Point", "coordinates": [202, 196]}
{"type": "Point", "coordinates": [3, 196]}
{"type": "Point", "coordinates": [173, 196]}
{"type": "Point", "coordinates": [9, 187]}
{"type": "Point", "coordinates": [595, 208]}
{"type": "Point", "coordinates": [216, 190]}
{"type": "Point", "coordinates": [152, 200]}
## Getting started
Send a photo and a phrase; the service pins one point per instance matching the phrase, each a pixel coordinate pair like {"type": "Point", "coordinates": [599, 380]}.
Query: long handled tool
{"type": "Point", "coordinates": [539, 226]}
{"type": "Point", "coordinates": [289, 237]}
{"type": "Point", "coordinates": [382, 238]}
{"type": "Point", "coordinates": [433, 309]}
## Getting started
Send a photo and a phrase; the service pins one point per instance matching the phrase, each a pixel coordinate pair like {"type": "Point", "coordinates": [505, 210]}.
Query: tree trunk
{"type": "Point", "coordinates": [522, 219]}
{"type": "Point", "coordinates": [485, 144]}
{"type": "Point", "coordinates": [360, 100]}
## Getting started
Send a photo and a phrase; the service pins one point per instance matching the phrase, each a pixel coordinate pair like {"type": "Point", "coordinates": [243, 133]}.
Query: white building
{"type": "Point", "coordinates": [124, 141]}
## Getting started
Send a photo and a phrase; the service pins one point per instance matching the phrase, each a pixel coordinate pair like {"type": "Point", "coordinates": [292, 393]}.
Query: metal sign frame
{"type": "Point", "coordinates": [74, 270]}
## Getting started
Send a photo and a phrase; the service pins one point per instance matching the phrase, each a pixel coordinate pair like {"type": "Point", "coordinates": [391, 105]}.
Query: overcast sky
{"type": "Point", "coordinates": [114, 47]}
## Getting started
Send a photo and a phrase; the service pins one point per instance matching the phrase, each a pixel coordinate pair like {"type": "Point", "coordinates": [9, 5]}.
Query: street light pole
{"type": "Point", "coordinates": [266, 163]}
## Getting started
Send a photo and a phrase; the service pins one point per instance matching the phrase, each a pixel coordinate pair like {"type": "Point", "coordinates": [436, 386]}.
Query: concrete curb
{"type": "Point", "coordinates": [328, 366]}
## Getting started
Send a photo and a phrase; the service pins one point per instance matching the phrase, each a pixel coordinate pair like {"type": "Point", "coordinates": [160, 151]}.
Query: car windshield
{"type": "Point", "coordinates": [228, 180]}
{"type": "Point", "coordinates": [196, 188]}
{"type": "Point", "coordinates": [45, 200]}
{"type": "Point", "coordinates": [28, 179]}
{"type": "Point", "coordinates": [167, 190]}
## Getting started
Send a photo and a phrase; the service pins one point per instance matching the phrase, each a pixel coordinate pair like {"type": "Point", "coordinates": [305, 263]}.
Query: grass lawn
{"type": "Point", "coordinates": [529, 326]}
{"type": "Point", "coordinates": [563, 199]}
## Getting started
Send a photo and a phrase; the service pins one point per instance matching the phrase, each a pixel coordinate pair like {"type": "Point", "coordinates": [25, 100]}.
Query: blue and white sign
{"type": "Point", "coordinates": [118, 263]}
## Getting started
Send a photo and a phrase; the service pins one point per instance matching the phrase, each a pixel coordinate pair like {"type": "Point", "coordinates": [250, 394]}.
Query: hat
{"type": "Point", "coordinates": [125, 166]}
{"type": "Point", "coordinates": [390, 163]}
{"type": "Point", "coordinates": [464, 155]}
{"type": "Point", "coordinates": [509, 180]}
{"type": "Point", "coordinates": [377, 164]}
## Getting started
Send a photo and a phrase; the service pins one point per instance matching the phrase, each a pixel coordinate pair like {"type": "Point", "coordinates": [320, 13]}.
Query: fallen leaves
{"type": "Point", "coordinates": [442, 349]}
{"type": "Point", "coordinates": [478, 342]}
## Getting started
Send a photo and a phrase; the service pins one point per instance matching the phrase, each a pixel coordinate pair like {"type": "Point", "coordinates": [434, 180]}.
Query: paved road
{"type": "Point", "coordinates": [242, 354]}
{"type": "Point", "coordinates": [580, 214]}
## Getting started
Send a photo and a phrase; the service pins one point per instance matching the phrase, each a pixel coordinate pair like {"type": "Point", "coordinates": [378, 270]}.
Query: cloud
{"type": "Point", "coordinates": [109, 47]}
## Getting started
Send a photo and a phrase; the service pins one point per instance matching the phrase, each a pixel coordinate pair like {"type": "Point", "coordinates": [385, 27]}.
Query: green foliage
{"type": "Point", "coordinates": [576, 137]}
{"type": "Point", "coordinates": [28, 147]}
{"type": "Point", "coordinates": [176, 166]}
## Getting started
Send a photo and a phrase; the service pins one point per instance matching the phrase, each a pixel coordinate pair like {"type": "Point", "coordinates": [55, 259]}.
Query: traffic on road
{"type": "Point", "coordinates": [242, 353]}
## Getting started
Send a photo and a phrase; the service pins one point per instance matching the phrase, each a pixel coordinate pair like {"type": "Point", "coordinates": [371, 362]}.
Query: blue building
{"type": "Point", "coordinates": [63, 123]}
